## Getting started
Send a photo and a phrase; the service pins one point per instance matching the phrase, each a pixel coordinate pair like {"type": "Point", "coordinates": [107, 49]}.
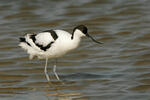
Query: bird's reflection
{"type": "Point", "coordinates": [54, 91]}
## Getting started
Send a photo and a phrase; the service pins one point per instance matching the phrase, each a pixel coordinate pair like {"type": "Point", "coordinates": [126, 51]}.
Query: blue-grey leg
{"type": "Point", "coordinates": [54, 70]}
{"type": "Point", "coordinates": [45, 70]}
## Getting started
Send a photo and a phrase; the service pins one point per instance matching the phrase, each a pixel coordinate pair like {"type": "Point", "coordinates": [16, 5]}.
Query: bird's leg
{"type": "Point", "coordinates": [54, 70]}
{"type": "Point", "coordinates": [45, 70]}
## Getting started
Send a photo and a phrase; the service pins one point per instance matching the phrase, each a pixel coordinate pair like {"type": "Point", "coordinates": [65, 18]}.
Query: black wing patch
{"type": "Point", "coordinates": [44, 47]}
{"type": "Point", "coordinates": [53, 34]}
{"type": "Point", "coordinates": [33, 37]}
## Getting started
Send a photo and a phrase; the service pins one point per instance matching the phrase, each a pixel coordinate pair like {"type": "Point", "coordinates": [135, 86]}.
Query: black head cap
{"type": "Point", "coordinates": [82, 28]}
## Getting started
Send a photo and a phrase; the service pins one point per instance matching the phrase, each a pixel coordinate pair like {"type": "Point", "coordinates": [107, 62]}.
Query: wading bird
{"type": "Point", "coordinates": [53, 44]}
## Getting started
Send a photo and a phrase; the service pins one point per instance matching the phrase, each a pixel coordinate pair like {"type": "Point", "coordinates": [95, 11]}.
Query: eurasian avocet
{"type": "Point", "coordinates": [53, 44]}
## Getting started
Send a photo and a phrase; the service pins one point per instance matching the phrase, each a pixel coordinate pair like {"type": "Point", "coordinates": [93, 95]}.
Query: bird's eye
{"type": "Point", "coordinates": [85, 31]}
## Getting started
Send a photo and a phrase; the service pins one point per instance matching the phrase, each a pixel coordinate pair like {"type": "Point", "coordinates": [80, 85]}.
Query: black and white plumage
{"type": "Point", "coordinates": [53, 43]}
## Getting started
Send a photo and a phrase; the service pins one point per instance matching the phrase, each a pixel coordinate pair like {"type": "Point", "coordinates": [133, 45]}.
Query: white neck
{"type": "Point", "coordinates": [77, 34]}
{"type": "Point", "coordinates": [75, 40]}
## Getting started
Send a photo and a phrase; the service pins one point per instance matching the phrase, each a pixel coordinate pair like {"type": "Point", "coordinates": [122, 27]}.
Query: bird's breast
{"type": "Point", "coordinates": [63, 44]}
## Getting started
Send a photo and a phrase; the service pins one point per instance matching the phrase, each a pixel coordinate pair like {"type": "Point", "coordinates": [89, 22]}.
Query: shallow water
{"type": "Point", "coordinates": [119, 69]}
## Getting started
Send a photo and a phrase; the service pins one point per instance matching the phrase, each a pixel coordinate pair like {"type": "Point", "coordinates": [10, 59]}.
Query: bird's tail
{"type": "Point", "coordinates": [22, 39]}
{"type": "Point", "coordinates": [26, 46]}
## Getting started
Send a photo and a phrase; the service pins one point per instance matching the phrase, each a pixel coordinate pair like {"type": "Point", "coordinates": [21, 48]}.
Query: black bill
{"type": "Point", "coordinates": [94, 39]}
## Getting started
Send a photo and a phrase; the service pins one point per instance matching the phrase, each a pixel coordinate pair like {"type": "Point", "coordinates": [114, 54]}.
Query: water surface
{"type": "Point", "coordinates": [117, 70]}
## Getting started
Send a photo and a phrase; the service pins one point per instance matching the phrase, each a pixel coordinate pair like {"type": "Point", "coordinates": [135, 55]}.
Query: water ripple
{"type": "Point", "coordinates": [118, 69]}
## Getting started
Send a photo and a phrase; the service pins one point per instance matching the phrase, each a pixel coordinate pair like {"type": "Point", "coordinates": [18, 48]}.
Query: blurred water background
{"type": "Point", "coordinates": [117, 70]}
